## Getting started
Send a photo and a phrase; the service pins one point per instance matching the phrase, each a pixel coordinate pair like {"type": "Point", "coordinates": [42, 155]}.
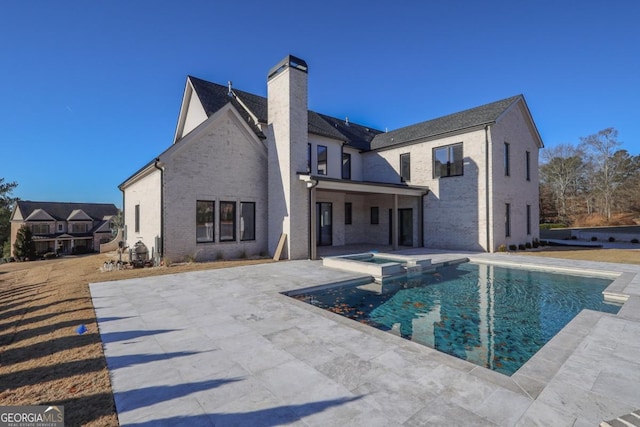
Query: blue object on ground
{"type": "Point", "coordinates": [81, 329]}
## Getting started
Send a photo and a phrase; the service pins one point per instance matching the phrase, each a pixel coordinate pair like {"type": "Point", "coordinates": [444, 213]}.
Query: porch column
{"type": "Point", "coordinates": [394, 231]}
{"type": "Point", "coordinates": [312, 225]}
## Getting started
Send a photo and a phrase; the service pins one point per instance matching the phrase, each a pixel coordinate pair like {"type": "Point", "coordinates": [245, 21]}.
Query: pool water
{"type": "Point", "coordinates": [493, 316]}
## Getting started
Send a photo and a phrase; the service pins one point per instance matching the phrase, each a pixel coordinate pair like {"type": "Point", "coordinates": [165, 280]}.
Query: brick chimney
{"type": "Point", "coordinates": [287, 139]}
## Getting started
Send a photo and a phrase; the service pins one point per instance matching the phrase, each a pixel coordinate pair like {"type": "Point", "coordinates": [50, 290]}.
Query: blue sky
{"type": "Point", "coordinates": [90, 90]}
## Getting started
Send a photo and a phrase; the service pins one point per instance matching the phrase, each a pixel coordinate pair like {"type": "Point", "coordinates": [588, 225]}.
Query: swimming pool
{"type": "Point", "coordinates": [492, 316]}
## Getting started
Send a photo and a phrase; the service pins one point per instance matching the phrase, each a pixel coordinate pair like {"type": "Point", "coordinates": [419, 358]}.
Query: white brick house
{"type": "Point", "coordinates": [244, 170]}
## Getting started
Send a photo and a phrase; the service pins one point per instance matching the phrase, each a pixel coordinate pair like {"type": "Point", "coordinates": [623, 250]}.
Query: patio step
{"type": "Point", "coordinates": [629, 420]}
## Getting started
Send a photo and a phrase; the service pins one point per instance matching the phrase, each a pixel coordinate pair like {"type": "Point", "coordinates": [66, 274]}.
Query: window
{"type": "Point", "coordinates": [507, 219]}
{"type": "Point", "coordinates": [506, 159]}
{"type": "Point", "coordinates": [309, 157]}
{"type": "Point", "coordinates": [205, 212]}
{"type": "Point", "coordinates": [137, 220]}
{"type": "Point", "coordinates": [247, 221]}
{"type": "Point", "coordinates": [375, 215]}
{"type": "Point", "coordinates": [346, 165]}
{"type": "Point", "coordinates": [528, 165]}
{"type": "Point", "coordinates": [79, 228]}
{"type": "Point", "coordinates": [447, 161]}
{"type": "Point", "coordinates": [405, 167]}
{"type": "Point", "coordinates": [322, 159]}
{"type": "Point", "coordinates": [60, 228]}
{"type": "Point", "coordinates": [528, 220]}
{"type": "Point", "coordinates": [40, 228]}
{"type": "Point", "coordinates": [347, 213]}
{"type": "Point", "coordinates": [227, 221]}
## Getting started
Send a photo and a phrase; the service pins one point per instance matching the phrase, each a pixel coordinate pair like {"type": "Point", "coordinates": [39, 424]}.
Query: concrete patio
{"type": "Point", "coordinates": [225, 347]}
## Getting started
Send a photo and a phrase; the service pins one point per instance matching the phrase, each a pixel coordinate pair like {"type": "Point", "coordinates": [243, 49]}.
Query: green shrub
{"type": "Point", "coordinates": [612, 239]}
{"type": "Point", "coordinates": [594, 239]}
{"type": "Point", "coordinates": [513, 247]}
{"type": "Point", "coordinates": [634, 241]}
{"type": "Point", "coordinates": [502, 248]}
{"type": "Point", "coordinates": [50, 255]}
{"type": "Point", "coordinates": [528, 245]}
{"type": "Point", "coordinates": [536, 243]}
{"type": "Point", "coordinates": [522, 247]}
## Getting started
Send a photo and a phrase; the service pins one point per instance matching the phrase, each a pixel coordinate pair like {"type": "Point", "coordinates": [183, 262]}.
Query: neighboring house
{"type": "Point", "coordinates": [244, 170]}
{"type": "Point", "coordinates": [64, 227]}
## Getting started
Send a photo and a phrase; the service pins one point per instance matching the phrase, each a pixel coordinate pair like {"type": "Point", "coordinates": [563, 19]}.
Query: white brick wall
{"type": "Point", "coordinates": [221, 161]}
{"type": "Point", "coordinates": [146, 193]}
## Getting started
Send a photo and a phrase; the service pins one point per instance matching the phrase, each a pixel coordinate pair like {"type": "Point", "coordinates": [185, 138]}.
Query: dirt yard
{"type": "Point", "coordinates": [43, 360]}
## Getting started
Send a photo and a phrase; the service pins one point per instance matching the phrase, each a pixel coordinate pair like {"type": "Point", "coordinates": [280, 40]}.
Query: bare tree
{"type": "Point", "coordinates": [600, 150]}
{"type": "Point", "coordinates": [561, 174]}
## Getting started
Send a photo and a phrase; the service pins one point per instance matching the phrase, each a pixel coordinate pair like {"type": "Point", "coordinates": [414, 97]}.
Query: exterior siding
{"type": "Point", "coordinates": [144, 192]}
{"type": "Point", "coordinates": [514, 189]}
{"type": "Point", "coordinates": [454, 209]}
{"type": "Point", "coordinates": [222, 162]}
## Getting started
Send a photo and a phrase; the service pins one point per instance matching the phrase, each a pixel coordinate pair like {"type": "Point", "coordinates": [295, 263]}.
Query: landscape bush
{"type": "Point", "coordinates": [513, 248]}
{"type": "Point", "coordinates": [502, 248]}
{"type": "Point", "coordinates": [612, 239]}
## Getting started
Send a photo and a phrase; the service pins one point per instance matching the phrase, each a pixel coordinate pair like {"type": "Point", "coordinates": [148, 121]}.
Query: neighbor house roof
{"type": "Point", "coordinates": [478, 116]}
{"type": "Point", "coordinates": [60, 211]}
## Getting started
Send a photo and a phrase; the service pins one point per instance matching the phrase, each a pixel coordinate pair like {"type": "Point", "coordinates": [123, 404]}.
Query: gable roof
{"type": "Point", "coordinates": [474, 117]}
{"type": "Point", "coordinates": [60, 211]}
{"type": "Point", "coordinates": [213, 97]}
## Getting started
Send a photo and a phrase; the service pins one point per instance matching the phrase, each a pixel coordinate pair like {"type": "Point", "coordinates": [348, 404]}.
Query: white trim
{"type": "Point", "coordinates": [362, 187]}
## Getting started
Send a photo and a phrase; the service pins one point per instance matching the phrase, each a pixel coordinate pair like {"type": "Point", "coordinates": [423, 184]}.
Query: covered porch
{"type": "Point", "coordinates": [378, 215]}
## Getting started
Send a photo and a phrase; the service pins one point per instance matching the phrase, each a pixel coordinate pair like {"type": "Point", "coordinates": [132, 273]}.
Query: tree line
{"type": "Point", "coordinates": [593, 179]}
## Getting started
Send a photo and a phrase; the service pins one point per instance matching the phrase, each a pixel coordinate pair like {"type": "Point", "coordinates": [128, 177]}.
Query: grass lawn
{"type": "Point", "coordinates": [43, 360]}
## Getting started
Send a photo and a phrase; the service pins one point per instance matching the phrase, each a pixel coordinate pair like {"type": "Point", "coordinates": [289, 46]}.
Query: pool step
{"type": "Point", "coordinates": [629, 420]}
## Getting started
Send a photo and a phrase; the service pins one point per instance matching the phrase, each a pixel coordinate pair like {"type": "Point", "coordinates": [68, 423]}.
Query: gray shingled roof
{"type": "Point", "coordinates": [61, 210]}
{"type": "Point", "coordinates": [214, 96]}
{"type": "Point", "coordinates": [485, 114]}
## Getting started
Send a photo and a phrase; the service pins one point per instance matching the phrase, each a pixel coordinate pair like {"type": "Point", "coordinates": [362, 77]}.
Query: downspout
{"type": "Point", "coordinates": [309, 249]}
{"type": "Point", "coordinates": [155, 164]}
{"type": "Point", "coordinates": [124, 228]}
{"type": "Point", "coordinates": [487, 192]}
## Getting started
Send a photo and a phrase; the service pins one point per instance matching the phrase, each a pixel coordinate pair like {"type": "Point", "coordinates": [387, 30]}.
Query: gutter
{"type": "Point", "coordinates": [161, 249]}
{"type": "Point", "coordinates": [487, 198]}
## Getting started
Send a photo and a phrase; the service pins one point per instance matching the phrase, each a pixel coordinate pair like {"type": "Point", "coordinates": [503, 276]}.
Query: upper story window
{"type": "Point", "coordinates": [79, 228]}
{"type": "Point", "coordinates": [309, 157]}
{"type": "Point", "coordinates": [528, 165]}
{"type": "Point", "coordinates": [346, 165]}
{"type": "Point", "coordinates": [405, 167]}
{"type": "Point", "coordinates": [507, 154]}
{"type": "Point", "coordinates": [205, 211]}
{"type": "Point", "coordinates": [322, 159]}
{"type": "Point", "coordinates": [40, 228]}
{"type": "Point", "coordinates": [60, 228]}
{"type": "Point", "coordinates": [447, 161]}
